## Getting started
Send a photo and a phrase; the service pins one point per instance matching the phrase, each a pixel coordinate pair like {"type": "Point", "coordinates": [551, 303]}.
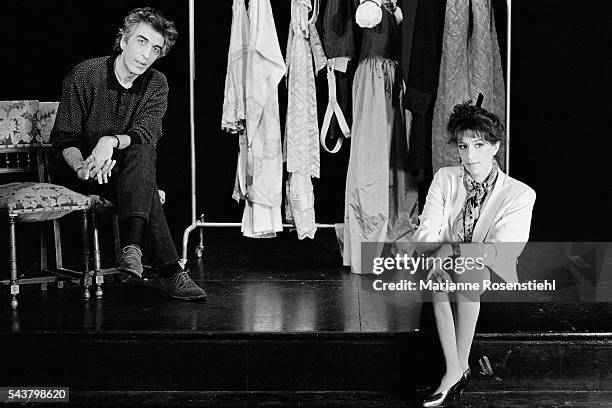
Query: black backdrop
{"type": "Point", "coordinates": [558, 71]}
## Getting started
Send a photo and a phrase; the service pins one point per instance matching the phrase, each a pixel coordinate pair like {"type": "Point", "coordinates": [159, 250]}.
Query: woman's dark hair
{"type": "Point", "coordinates": [468, 117]}
{"type": "Point", "coordinates": [152, 17]}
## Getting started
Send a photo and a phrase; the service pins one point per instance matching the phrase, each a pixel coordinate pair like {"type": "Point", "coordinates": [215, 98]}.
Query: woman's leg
{"type": "Point", "coordinates": [446, 331]}
{"type": "Point", "coordinates": [466, 316]}
{"type": "Point", "coordinates": [467, 309]}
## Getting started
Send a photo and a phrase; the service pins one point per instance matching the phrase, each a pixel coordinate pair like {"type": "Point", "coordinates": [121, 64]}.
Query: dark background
{"type": "Point", "coordinates": [558, 133]}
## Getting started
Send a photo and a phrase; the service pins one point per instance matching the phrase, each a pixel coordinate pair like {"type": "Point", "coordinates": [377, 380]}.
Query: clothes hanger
{"type": "Point", "coordinates": [315, 12]}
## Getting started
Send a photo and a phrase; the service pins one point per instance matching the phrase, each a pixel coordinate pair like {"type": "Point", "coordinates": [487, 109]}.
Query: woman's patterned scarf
{"type": "Point", "coordinates": [476, 196]}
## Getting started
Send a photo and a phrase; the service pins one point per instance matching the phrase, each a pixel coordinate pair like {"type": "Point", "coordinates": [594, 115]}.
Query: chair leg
{"type": "Point", "coordinates": [117, 238]}
{"type": "Point", "coordinates": [43, 253]}
{"type": "Point", "coordinates": [99, 278]}
{"type": "Point", "coordinates": [85, 240]}
{"type": "Point", "coordinates": [59, 263]}
{"type": "Point", "coordinates": [13, 262]}
{"type": "Point", "coordinates": [116, 235]}
{"type": "Point", "coordinates": [85, 278]}
{"type": "Point", "coordinates": [15, 324]}
{"type": "Point", "coordinates": [43, 247]}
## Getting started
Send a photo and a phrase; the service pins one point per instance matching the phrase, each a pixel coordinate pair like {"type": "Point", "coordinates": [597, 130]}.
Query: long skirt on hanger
{"type": "Point", "coordinates": [380, 197]}
{"type": "Point", "coordinates": [471, 64]}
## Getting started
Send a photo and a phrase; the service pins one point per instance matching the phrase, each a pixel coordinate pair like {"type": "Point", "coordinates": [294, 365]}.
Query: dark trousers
{"type": "Point", "coordinates": [133, 188]}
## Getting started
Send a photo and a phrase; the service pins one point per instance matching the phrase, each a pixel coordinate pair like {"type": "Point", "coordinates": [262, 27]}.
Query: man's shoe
{"type": "Point", "coordinates": [180, 286]}
{"type": "Point", "coordinates": [130, 261]}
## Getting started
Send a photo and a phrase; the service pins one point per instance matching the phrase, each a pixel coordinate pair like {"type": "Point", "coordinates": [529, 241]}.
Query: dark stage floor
{"type": "Point", "coordinates": [286, 285]}
{"type": "Point", "coordinates": [285, 325]}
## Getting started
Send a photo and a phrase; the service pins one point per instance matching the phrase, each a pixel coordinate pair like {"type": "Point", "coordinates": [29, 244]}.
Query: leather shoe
{"type": "Point", "coordinates": [180, 286]}
{"type": "Point", "coordinates": [130, 261]}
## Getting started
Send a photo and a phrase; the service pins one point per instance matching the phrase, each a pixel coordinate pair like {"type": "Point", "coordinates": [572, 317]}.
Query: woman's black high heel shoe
{"type": "Point", "coordinates": [443, 398]}
{"type": "Point", "coordinates": [467, 376]}
{"type": "Point", "coordinates": [464, 381]}
{"type": "Point", "coordinates": [426, 390]}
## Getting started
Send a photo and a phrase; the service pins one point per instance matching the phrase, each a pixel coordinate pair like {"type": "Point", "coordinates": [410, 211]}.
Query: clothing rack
{"type": "Point", "coordinates": [199, 250]}
{"type": "Point", "coordinates": [201, 223]}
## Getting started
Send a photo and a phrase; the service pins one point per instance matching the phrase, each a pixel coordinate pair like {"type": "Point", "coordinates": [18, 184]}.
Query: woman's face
{"type": "Point", "coordinates": [476, 155]}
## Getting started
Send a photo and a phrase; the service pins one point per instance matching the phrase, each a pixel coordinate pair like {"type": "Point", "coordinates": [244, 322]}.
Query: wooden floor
{"type": "Point", "coordinates": [286, 285]}
{"type": "Point", "coordinates": [286, 325]}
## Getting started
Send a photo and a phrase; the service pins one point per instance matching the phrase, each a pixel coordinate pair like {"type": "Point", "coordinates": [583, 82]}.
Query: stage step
{"type": "Point", "coordinates": [395, 363]}
{"type": "Point", "coordinates": [331, 399]}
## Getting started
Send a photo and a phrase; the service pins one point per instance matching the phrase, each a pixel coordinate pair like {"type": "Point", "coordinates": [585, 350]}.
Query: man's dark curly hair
{"type": "Point", "coordinates": [152, 17]}
{"type": "Point", "coordinates": [467, 117]}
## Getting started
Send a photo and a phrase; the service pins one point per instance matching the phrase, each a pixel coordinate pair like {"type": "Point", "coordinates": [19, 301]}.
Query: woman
{"type": "Point", "coordinates": [469, 210]}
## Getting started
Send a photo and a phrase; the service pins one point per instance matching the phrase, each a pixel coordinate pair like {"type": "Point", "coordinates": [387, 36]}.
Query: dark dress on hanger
{"type": "Point", "coordinates": [379, 194]}
{"type": "Point", "coordinates": [340, 38]}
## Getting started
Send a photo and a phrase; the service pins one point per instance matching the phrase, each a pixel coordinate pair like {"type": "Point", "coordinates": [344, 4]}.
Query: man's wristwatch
{"type": "Point", "coordinates": [118, 141]}
{"type": "Point", "coordinates": [456, 249]}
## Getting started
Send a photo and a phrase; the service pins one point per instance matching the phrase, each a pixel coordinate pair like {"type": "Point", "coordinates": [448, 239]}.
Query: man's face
{"type": "Point", "coordinates": [142, 48]}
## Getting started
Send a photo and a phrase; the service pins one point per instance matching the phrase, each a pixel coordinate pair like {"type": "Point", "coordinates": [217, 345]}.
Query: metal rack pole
{"type": "Point", "coordinates": [190, 228]}
{"type": "Point", "coordinates": [201, 224]}
{"type": "Point", "coordinates": [508, 48]}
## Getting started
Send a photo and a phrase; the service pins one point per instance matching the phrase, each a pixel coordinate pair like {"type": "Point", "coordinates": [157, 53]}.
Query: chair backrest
{"type": "Point", "coordinates": [25, 129]}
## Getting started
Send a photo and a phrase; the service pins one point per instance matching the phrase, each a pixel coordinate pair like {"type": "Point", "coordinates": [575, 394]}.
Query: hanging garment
{"type": "Point", "coordinates": [471, 64]}
{"type": "Point", "coordinates": [421, 64]}
{"type": "Point", "coordinates": [333, 107]}
{"type": "Point", "coordinates": [299, 205]}
{"type": "Point", "coordinates": [302, 133]}
{"type": "Point", "coordinates": [259, 170]}
{"type": "Point", "coordinates": [380, 197]}
{"type": "Point", "coordinates": [336, 25]}
{"type": "Point", "coordinates": [409, 9]}
{"type": "Point", "coordinates": [301, 128]}
{"type": "Point", "coordinates": [233, 118]}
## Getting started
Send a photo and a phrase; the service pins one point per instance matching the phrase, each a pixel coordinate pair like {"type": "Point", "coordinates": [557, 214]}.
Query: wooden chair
{"type": "Point", "coordinates": [25, 127]}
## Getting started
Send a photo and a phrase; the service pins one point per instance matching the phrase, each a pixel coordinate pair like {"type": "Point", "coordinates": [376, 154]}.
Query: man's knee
{"type": "Point", "coordinates": [137, 156]}
{"type": "Point", "coordinates": [140, 152]}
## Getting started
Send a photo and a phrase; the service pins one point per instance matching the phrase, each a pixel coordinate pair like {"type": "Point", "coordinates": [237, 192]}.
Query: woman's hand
{"type": "Point", "coordinates": [440, 276]}
{"type": "Point", "coordinates": [443, 252]}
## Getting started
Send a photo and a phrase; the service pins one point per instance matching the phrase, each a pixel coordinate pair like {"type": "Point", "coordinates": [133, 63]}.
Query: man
{"type": "Point", "coordinates": [111, 112]}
